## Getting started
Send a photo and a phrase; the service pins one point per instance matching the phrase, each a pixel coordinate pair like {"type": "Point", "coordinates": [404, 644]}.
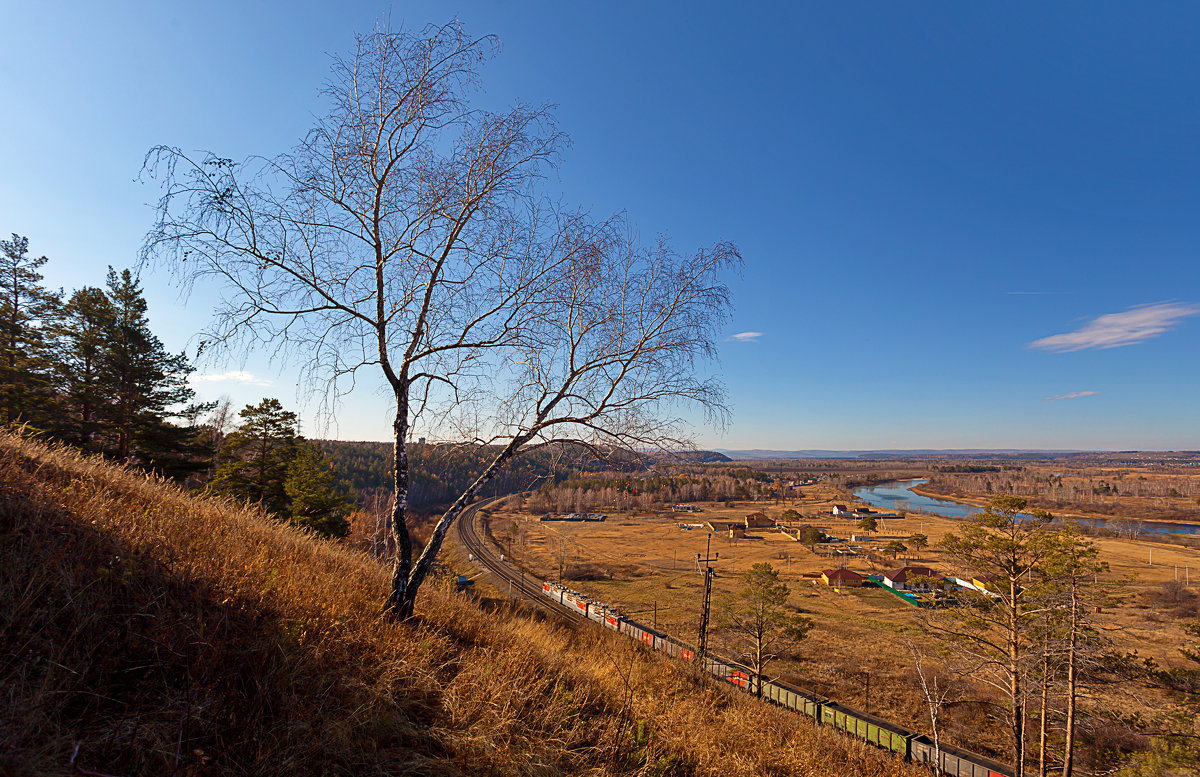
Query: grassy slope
{"type": "Point", "coordinates": [146, 631]}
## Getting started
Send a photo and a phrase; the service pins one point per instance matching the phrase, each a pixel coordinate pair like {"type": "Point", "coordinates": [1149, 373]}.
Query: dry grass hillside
{"type": "Point", "coordinates": [148, 631]}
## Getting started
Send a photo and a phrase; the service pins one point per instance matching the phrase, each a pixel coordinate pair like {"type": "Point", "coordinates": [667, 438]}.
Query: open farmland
{"type": "Point", "coordinates": [644, 563]}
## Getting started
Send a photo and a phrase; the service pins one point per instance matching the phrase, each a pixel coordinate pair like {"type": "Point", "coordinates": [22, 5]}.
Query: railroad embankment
{"type": "Point", "coordinates": [145, 630]}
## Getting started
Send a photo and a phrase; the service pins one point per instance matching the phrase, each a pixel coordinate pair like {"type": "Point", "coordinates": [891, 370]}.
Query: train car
{"type": "Point", "coordinates": [740, 678]}
{"type": "Point", "coordinates": [919, 748]}
{"type": "Point", "coordinates": [955, 761]}
{"type": "Point", "coordinates": [553, 591]}
{"type": "Point", "coordinates": [605, 615]}
{"type": "Point", "coordinates": [867, 727]}
{"type": "Point", "coordinates": [557, 593]}
{"type": "Point", "coordinates": [792, 698]}
{"type": "Point", "coordinates": [576, 602]}
{"type": "Point", "coordinates": [655, 640]}
{"type": "Point", "coordinates": [715, 667]}
{"type": "Point", "coordinates": [636, 632]}
{"type": "Point", "coordinates": [678, 649]}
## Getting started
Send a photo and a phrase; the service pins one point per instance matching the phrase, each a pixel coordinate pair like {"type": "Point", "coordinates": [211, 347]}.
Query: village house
{"type": "Point", "coordinates": [903, 579]}
{"type": "Point", "coordinates": [842, 578]}
{"type": "Point", "coordinates": [758, 521]}
{"type": "Point", "coordinates": [840, 510]}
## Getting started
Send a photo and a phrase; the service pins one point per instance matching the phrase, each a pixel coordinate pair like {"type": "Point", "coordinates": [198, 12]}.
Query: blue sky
{"type": "Point", "coordinates": [921, 192]}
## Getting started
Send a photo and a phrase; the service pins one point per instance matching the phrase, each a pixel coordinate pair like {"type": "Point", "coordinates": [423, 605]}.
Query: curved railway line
{"type": "Point", "coordinates": [575, 608]}
{"type": "Point", "coordinates": [520, 586]}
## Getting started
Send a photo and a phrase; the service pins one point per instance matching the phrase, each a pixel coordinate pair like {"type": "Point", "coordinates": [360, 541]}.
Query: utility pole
{"type": "Point", "coordinates": [702, 642]}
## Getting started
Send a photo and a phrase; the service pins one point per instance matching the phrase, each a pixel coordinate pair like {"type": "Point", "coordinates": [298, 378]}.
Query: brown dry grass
{"type": "Point", "coordinates": [147, 631]}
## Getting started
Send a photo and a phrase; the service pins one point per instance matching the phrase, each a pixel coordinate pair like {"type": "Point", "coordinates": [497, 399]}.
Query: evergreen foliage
{"type": "Point", "coordinates": [83, 335]}
{"type": "Point", "coordinates": [145, 381]}
{"type": "Point", "coordinates": [311, 487]}
{"type": "Point", "coordinates": [26, 311]}
{"type": "Point", "coordinates": [758, 619]}
{"type": "Point", "coordinates": [90, 372]}
{"type": "Point", "coordinates": [254, 459]}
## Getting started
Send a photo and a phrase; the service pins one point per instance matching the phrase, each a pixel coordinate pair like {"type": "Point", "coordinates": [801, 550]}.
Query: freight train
{"type": "Point", "coordinates": [918, 748]}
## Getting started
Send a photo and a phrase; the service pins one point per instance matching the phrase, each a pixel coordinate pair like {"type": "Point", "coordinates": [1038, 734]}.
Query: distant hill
{"type": "Point", "coordinates": [704, 457]}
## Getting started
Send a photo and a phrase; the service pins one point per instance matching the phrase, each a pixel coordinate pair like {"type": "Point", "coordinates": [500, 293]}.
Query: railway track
{"type": "Point", "coordinates": [519, 585]}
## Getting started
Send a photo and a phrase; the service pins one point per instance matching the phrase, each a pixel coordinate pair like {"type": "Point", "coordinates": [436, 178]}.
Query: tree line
{"type": "Point", "coordinates": [625, 491]}
{"type": "Point", "coordinates": [86, 369]}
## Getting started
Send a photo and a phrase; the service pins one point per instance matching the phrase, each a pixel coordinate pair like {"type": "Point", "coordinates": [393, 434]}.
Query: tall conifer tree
{"type": "Point", "coordinates": [144, 381]}
{"type": "Point", "coordinates": [85, 328]}
{"type": "Point", "coordinates": [311, 488]}
{"type": "Point", "coordinates": [253, 461]}
{"type": "Point", "coordinates": [25, 310]}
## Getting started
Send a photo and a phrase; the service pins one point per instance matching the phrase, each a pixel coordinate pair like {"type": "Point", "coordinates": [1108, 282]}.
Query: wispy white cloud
{"type": "Point", "coordinates": [1072, 395]}
{"type": "Point", "coordinates": [1114, 330]}
{"type": "Point", "coordinates": [1035, 293]}
{"type": "Point", "coordinates": [745, 337]}
{"type": "Point", "coordinates": [234, 376]}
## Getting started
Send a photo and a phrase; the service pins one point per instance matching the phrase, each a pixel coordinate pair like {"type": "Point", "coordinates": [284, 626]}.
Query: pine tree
{"type": "Point", "coordinates": [311, 486]}
{"type": "Point", "coordinates": [253, 461]}
{"type": "Point", "coordinates": [84, 331]}
{"type": "Point", "coordinates": [758, 619]}
{"type": "Point", "coordinates": [143, 380]}
{"type": "Point", "coordinates": [1009, 547]}
{"type": "Point", "coordinates": [25, 310]}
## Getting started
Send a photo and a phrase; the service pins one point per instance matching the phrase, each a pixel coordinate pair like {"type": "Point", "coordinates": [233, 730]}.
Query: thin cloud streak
{"type": "Point", "coordinates": [1114, 330]}
{"type": "Point", "coordinates": [1035, 292]}
{"type": "Point", "coordinates": [234, 376]}
{"type": "Point", "coordinates": [745, 337]}
{"type": "Point", "coordinates": [1072, 395]}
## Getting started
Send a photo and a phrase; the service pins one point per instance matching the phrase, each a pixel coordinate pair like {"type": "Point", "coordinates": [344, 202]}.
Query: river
{"type": "Point", "coordinates": [899, 495]}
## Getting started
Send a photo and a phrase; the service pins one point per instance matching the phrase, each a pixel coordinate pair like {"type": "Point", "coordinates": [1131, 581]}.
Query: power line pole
{"type": "Point", "coordinates": [702, 642]}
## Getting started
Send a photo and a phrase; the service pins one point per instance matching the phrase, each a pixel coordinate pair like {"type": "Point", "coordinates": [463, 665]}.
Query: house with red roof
{"type": "Point", "coordinates": [842, 578]}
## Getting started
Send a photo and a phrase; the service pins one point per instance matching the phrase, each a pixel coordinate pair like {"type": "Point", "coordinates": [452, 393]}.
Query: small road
{"type": "Point", "coordinates": [519, 585]}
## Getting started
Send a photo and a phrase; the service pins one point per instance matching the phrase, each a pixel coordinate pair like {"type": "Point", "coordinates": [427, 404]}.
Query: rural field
{"type": "Point", "coordinates": [644, 562]}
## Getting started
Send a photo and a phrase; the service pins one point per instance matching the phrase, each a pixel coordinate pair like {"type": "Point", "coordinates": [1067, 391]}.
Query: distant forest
{"type": "Point", "coordinates": [440, 472]}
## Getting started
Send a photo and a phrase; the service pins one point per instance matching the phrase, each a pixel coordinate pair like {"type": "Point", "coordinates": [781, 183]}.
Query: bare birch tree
{"type": "Point", "coordinates": [937, 686]}
{"type": "Point", "coordinates": [404, 236]}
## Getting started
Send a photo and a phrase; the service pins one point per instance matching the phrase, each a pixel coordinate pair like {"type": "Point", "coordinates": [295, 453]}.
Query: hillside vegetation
{"type": "Point", "coordinates": [147, 631]}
